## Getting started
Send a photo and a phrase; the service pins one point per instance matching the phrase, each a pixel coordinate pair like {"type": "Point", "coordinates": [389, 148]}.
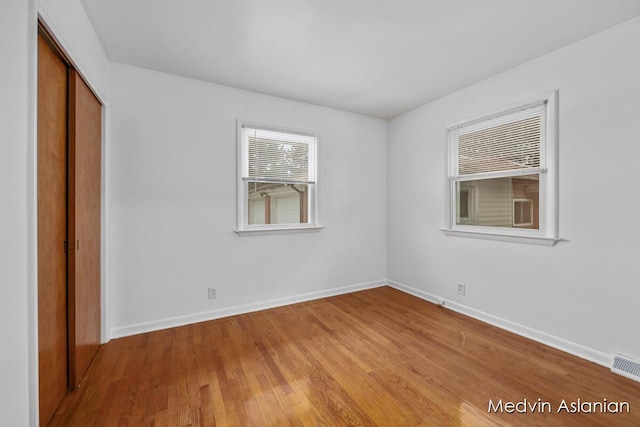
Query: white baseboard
{"type": "Point", "coordinates": [559, 343]}
{"type": "Point", "coordinates": [157, 325]}
{"type": "Point", "coordinates": [578, 350]}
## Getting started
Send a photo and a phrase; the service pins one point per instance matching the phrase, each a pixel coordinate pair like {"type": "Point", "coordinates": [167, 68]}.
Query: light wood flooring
{"type": "Point", "coordinates": [373, 358]}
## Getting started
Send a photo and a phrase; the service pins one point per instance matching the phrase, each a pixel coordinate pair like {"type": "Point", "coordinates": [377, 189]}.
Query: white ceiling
{"type": "Point", "coordinates": [375, 57]}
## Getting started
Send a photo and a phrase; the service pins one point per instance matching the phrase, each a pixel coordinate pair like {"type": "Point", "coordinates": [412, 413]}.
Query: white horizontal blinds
{"type": "Point", "coordinates": [275, 156]}
{"type": "Point", "coordinates": [507, 145]}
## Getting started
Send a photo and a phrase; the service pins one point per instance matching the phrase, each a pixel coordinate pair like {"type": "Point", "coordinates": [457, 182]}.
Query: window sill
{"type": "Point", "coordinates": [532, 240]}
{"type": "Point", "coordinates": [278, 230]}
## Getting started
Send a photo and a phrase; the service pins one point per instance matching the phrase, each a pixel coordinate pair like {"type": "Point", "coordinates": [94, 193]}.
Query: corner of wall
{"type": "Point", "coordinates": [561, 344]}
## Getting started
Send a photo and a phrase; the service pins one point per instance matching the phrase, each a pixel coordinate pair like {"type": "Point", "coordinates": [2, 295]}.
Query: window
{"type": "Point", "coordinates": [466, 203]}
{"type": "Point", "coordinates": [502, 177]}
{"type": "Point", "coordinates": [463, 209]}
{"type": "Point", "coordinates": [523, 213]}
{"type": "Point", "coordinates": [276, 188]}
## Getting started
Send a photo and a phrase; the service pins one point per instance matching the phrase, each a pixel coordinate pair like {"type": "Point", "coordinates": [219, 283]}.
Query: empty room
{"type": "Point", "coordinates": [319, 213]}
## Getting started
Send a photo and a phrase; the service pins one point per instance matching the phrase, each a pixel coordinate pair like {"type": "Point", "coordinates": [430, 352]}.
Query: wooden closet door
{"type": "Point", "coordinates": [52, 229]}
{"type": "Point", "coordinates": [85, 136]}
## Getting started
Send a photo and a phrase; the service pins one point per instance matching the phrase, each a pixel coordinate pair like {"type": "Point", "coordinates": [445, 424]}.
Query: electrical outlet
{"type": "Point", "coordinates": [461, 288]}
{"type": "Point", "coordinates": [212, 293]}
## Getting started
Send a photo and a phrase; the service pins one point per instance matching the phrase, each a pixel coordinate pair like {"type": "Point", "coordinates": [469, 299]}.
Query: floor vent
{"type": "Point", "coordinates": [625, 366]}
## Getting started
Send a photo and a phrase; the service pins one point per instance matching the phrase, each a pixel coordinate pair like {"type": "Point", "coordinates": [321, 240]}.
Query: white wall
{"type": "Point", "coordinates": [584, 290]}
{"type": "Point", "coordinates": [173, 203]}
{"type": "Point", "coordinates": [15, 133]}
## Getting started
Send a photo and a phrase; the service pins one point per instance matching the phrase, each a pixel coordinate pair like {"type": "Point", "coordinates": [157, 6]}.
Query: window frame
{"type": "Point", "coordinates": [547, 233]}
{"type": "Point", "coordinates": [242, 225]}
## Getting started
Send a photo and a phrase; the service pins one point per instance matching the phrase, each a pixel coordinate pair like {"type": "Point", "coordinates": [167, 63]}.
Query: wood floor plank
{"type": "Point", "coordinates": [376, 357]}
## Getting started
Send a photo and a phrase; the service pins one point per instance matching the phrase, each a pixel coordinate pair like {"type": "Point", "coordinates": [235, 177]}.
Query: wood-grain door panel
{"type": "Point", "coordinates": [52, 229]}
{"type": "Point", "coordinates": [85, 136]}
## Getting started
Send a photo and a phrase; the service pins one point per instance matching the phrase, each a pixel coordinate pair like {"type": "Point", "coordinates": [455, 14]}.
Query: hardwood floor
{"type": "Point", "coordinates": [376, 357]}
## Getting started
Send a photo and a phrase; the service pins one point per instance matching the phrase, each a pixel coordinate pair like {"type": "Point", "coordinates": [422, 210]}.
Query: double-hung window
{"type": "Point", "coordinates": [277, 182]}
{"type": "Point", "coordinates": [502, 174]}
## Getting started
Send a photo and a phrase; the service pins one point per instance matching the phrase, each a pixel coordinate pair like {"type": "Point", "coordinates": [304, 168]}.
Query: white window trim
{"type": "Point", "coordinates": [547, 234]}
{"type": "Point", "coordinates": [242, 225]}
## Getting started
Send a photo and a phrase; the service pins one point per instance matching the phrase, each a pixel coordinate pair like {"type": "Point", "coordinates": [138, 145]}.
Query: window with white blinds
{"type": "Point", "coordinates": [277, 182]}
{"type": "Point", "coordinates": [502, 180]}
{"type": "Point", "coordinates": [274, 156]}
{"type": "Point", "coordinates": [502, 146]}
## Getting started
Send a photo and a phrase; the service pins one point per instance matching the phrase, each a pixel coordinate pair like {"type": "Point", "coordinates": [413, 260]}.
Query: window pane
{"type": "Point", "coordinates": [499, 202]}
{"type": "Point", "coordinates": [277, 203]}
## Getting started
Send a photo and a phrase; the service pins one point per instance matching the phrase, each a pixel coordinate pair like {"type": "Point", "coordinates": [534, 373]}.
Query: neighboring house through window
{"type": "Point", "coordinates": [523, 213]}
{"type": "Point", "coordinates": [276, 188]}
{"type": "Point", "coordinates": [465, 213]}
{"type": "Point", "coordinates": [502, 174]}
